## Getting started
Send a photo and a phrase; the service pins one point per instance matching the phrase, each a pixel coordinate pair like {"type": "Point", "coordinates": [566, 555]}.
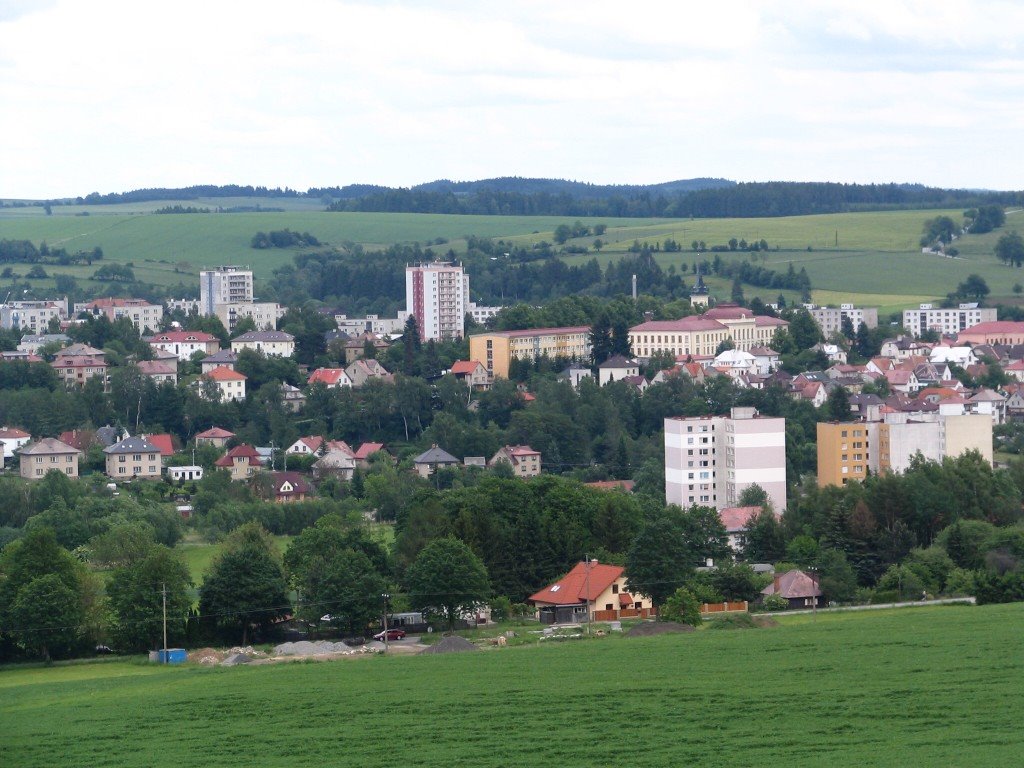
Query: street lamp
{"type": "Point", "coordinates": [385, 597]}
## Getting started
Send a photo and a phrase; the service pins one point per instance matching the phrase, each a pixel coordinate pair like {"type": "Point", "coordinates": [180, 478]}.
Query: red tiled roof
{"type": "Point", "coordinates": [692, 323]}
{"type": "Point", "coordinates": [465, 367]}
{"type": "Point", "coordinates": [223, 373]}
{"type": "Point", "coordinates": [625, 599]}
{"type": "Point", "coordinates": [239, 451]}
{"type": "Point", "coordinates": [216, 433]}
{"type": "Point", "coordinates": [163, 442]}
{"type": "Point", "coordinates": [368, 449]}
{"type": "Point", "coordinates": [156, 368]}
{"type": "Point", "coordinates": [572, 588]}
{"type": "Point", "coordinates": [9, 433]}
{"type": "Point", "coordinates": [542, 331]}
{"type": "Point", "coordinates": [794, 584]}
{"type": "Point", "coordinates": [327, 376]}
{"type": "Point", "coordinates": [736, 518]}
{"type": "Point", "coordinates": [179, 337]}
{"type": "Point", "coordinates": [996, 326]}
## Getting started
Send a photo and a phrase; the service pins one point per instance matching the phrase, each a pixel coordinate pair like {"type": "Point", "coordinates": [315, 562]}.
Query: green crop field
{"type": "Point", "coordinates": [870, 258]}
{"type": "Point", "coordinates": [920, 687]}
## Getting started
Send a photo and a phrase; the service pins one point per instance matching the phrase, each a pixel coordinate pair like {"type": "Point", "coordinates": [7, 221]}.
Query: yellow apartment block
{"type": "Point", "coordinates": [845, 452]}
{"type": "Point", "coordinates": [497, 350]}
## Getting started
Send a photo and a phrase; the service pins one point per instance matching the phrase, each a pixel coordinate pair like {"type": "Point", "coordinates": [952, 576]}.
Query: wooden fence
{"type": "Point", "coordinates": [723, 607]}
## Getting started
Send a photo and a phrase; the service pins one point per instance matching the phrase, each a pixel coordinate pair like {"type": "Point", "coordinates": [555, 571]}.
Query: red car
{"type": "Point", "coordinates": [393, 634]}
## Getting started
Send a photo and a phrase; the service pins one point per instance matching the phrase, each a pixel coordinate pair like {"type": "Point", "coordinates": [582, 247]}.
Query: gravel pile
{"type": "Point", "coordinates": [648, 628]}
{"type": "Point", "coordinates": [235, 659]}
{"type": "Point", "coordinates": [310, 648]}
{"type": "Point", "coordinates": [451, 644]}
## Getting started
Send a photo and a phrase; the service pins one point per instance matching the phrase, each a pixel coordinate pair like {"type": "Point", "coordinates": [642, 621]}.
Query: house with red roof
{"type": "Point", "coordinates": [164, 442]}
{"type": "Point", "coordinates": [366, 450]}
{"type": "Point", "coordinates": [332, 378]}
{"type": "Point", "coordinates": [472, 373]}
{"type": "Point", "coordinates": [290, 487]}
{"type": "Point", "coordinates": [11, 439]}
{"type": "Point", "coordinates": [594, 590]}
{"type": "Point", "coordinates": [315, 445]}
{"type": "Point", "coordinates": [230, 384]}
{"type": "Point", "coordinates": [214, 436]}
{"type": "Point", "coordinates": [242, 461]}
{"type": "Point", "coordinates": [800, 589]}
{"type": "Point", "coordinates": [525, 461]}
{"type": "Point", "coordinates": [735, 521]}
{"type": "Point", "coordinates": [158, 371]}
{"type": "Point", "coordinates": [361, 371]}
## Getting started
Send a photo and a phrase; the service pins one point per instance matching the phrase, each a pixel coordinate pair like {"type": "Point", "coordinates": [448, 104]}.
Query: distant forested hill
{"type": "Point", "coordinates": [514, 196]}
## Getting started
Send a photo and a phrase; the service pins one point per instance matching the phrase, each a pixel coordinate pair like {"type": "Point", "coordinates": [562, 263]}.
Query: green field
{"type": "Point", "coordinates": [921, 687]}
{"type": "Point", "coordinates": [870, 258]}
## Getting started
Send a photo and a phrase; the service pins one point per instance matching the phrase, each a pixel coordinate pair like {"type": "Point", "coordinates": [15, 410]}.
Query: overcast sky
{"type": "Point", "coordinates": [108, 96]}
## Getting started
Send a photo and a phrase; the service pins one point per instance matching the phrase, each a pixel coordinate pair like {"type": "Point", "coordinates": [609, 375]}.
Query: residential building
{"type": "Point", "coordinates": [830, 319]}
{"type": "Point", "coordinates": [186, 306]}
{"type": "Point", "coordinates": [702, 334]}
{"type": "Point", "coordinates": [616, 368]}
{"type": "Point", "coordinates": [361, 371]}
{"type": "Point", "coordinates": [133, 458]}
{"type": "Point", "coordinates": [214, 436]}
{"type": "Point", "coordinates": [336, 463]}
{"type": "Point", "coordinates": [711, 460]}
{"type": "Point", "coordinates": [431, 459]}
{"type": "Point", "coordinates": [270, 343]}
{"type": "Point", "coordinates": [590, 591]}
{"type": "Point", "coordinates": [146, 317]}
{"type": "Point", "coordinates": [436, 294]}
{"type": "Point", "coordinates": [332, 378]}
{"type": "Point", "coordinates": [188, 473]}
{"type": "Point", "coordinates": [355, 348]}
{"type": "Point", "coordinates": [366, 450]}
{"type": "Point", "coordinates": [224, 357]}
{"type": "Point", "coordinates": [227, 284]}
{"type": "Point", "coordinates": [78, 363]}
{"type": "Point", "coordinates": [497, 349]}
{"type": "Point", "coordinates": [230, 384]}
{"type": "Point", "coordinates": [313, 444]}
{"type": "Point", "coordinates": [164, 443]}
{"type": "Point", "coordinates": [846, 451]}
{"type": "Point", "coordinates": [159, 372]}
{"type": "Point", "coordinates": [472, 373]}
{"type": "Point", "coordinates": [525, 461]}
{"type": "Point", "coordinates": [481, 314]}
{"type": "Point", "coordinates": [901, 436]}
{"type": "Point", "coordinates": [798, 588]}
{"type": "Point", "coordinates": [46, 455]}
{"type": "Point", "coordinates": [32, 316]}
{"type": "Point", "coordinates": [735, 521]}
{"type": "Point", "coordinates": [290, 487]}
{"type": "Point", "coordinates": [33, 342]}
{"type": "Point", "coordinates": [242, 461]}
{"type": "Point", "coordinates": [12, 439]}
{"type": "Point", "coordinates": [994, 332]}
{"type": "Point", "coordinates": [379, 326]}
{"type": "Point", "coordinates": [184, 344]}
{"type": "Point", "coordinates": [946, 320]}
{"type": "Point", "coordinates": [292, 397]}
{"type": "Point", "coordinates": [264, 314]}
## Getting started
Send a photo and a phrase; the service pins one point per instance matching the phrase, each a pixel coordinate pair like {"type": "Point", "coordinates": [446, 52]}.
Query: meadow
{"type": "Point", "coordinates": [869, 258]}
{"type": "Point", "coordinates": [922, 687]}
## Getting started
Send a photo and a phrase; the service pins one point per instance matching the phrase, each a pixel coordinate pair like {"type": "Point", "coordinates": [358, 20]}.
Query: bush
{"type": "Point", "coordinates": [775, 603]}
{"type": "Point", "coordinates": [501, 608]}
{"type": "Point", "coordinates": [683, 607]}
{"type": "Point", "coordinates": [959, 582]}
{"type": "Point", "coordinates": [734, 621]}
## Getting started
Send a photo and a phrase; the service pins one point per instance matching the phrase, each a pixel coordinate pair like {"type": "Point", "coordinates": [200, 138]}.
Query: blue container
{"type": "Point", "coordinates": [172, 656]}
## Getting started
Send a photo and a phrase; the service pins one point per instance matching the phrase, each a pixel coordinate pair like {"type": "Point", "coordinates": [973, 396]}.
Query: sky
{"type": "Point", "coordinates": [112, 95]}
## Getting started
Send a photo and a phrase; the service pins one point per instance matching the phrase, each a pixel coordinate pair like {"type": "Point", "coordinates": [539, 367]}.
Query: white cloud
{"type": "Point", "coordinates": [323, 92]}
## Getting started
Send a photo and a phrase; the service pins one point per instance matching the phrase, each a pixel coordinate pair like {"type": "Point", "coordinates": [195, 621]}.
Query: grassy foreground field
{"type": "Point", "coordinates": [921, 687]}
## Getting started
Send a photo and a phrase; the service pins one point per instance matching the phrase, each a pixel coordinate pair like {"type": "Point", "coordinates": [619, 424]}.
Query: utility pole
{"type": "Point", "coordinates": [385, 597]}
{"type": "Point", "coordinates": [589, 614]}
{"type": "Point", "coordinates": [164, 591]}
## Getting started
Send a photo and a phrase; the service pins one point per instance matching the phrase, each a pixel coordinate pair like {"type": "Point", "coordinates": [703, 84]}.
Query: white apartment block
{"type": "Point", "coordinates": [32, 316]}
{"type": "Point", "coordinates": [142, 314]}
{"type": "Point", "coordinates": [946, 320]}
{"type": "Point", "coordinates": [935, 436]}
{"type": "Point", "coordinates": [710, 460]}
{"type": "Point", "coordinates": [436, 295]}
{"type": "Point", "coordinates": [381, 326]}
{"type": "Point", "coordinates": [480, 314]}
{"type": "Point", "coordinates": [830, 319]}
{"type": "Point", "coordinates": [224, 285]}
{"type": "Point", "coordinates": [264, 314]}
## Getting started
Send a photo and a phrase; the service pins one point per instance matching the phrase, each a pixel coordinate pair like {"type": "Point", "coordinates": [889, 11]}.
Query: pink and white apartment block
{"type": "Point", "coordinates": [710, 460]}
{"type": "Point", "coordinates": [436, 294]}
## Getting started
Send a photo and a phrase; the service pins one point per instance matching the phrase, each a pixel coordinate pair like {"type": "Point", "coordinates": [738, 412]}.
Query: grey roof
{"type": "Point", "coordinates": [435, 455]}
{"type": "Point", "coordinates": [618, 361]}
{"type": "Point", "coordinates": [107, 435]}
{"type": "Point", "coordinates": [221, 356]}
{"type": "Point", "coordinates": [44, 338]}
{"type": "Point", "coordinates": [132, 445]}
{"type": "Point", "coordinates": [264, 336]}
{"type": "Point", "coordinates": [47, 446]}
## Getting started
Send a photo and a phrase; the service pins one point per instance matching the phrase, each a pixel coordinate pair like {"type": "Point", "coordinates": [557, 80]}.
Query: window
{"type": "Point", "coordinates": [615, 589]}
{"type": "Point", "coordinates": [608, 607]}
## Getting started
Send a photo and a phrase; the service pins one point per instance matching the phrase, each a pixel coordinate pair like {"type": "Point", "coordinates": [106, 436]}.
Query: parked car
{"type": "Point", "coordinates": [393, 634]}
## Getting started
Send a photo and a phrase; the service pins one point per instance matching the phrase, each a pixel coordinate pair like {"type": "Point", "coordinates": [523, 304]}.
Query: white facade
{"type": "Point", "coordinates": [31, 316]}
{"type": "Point", "coordinates": [927, 317]}
{"type": "Point", "coordinates": [436, 295]}
{"type": "Point", "coordinates": [264, 314]}
{"type": "Point", "coordinates": [142, 314]}
{"type": "Point", "coordinates": [381, 326]}
{"type": "Point", "coordinates": [480, 314]}
{"type": "Point", "coordinates": [224, 285]}
{"type": "Point", "coordinates": [830, 319]}
{"type": "Point", "coordinates": [710, 460]}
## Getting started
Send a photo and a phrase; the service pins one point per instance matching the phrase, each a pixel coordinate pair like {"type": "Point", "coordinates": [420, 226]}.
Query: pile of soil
{"type": "Point", "coordinates": [206, 656]}
{"type": "Point", "coordinates": [765, 621]}
{"type": "Point", "coordinates": [648, 628]}
{"type": "Point", "coordinates": [451, 644]}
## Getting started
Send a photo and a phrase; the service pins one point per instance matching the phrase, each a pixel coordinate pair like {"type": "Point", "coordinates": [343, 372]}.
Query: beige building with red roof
{"type": "Point", "coordinates": [596, 591]}
{"type": "Point", "coordinates": [525, 461]}
{"type": "Point", "coordinates": [332, 378]}
{"type": "Point", "coordinates": [996, 332]}
{"type": "Point", "coordinates": [184, 344]}
{"type": "Point", "coordinates": [497, 349]}
{"type": "Point", "coordinates": [46, 455]}
{"type": "Point", "coordinates": [159, 371]}
{"type": "Point", "coordinates": [214, 436]}
{"type": "Point", "coordinates": [701, 334]}
{"type": "Point", "coordinates": [242, 461]}
{"type": "Point", "coordinates": [230, 384]}
{"type": "Point", "coordinates": [472, 373]}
